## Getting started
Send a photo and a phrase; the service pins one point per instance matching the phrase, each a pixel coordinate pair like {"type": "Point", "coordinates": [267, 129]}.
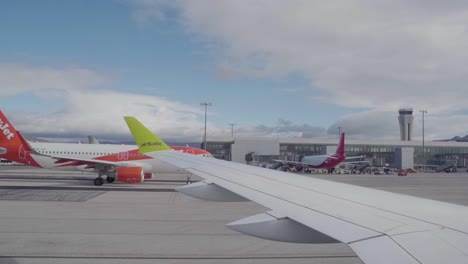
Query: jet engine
{"type": "Point", "coordinates": [129, 174]}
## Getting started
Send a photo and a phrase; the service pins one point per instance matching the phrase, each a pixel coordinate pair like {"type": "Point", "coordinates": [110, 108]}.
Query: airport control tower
{"type": "Point", "coordinates": [406, 123]}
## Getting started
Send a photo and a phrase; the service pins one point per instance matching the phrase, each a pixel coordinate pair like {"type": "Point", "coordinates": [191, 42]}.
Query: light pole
{"type": "Point", "coordinates": [232, 129]}
{"type": "Point", "coordinates": [339, 132]}
{"type": "Point", "coordinates": [423, 150]}
{"type": "Point", "coordinates": [205, 104]}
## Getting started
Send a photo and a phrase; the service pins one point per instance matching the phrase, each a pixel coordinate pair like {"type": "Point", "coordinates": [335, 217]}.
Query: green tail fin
{"type": "Point", "coordinates": [145, 139]}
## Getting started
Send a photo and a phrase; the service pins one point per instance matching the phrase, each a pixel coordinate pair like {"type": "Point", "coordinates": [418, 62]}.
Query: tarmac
{"type": "Point", "coordinates": [61, 217]}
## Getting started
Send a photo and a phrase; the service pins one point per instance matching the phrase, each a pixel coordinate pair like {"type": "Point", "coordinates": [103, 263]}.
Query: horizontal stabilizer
{"type": "Point", "coordinates": [267, 226]}
{"type": "Point", "coordinates": [211, 192]}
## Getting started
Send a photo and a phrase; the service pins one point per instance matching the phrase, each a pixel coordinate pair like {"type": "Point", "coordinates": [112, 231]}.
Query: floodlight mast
{"type": "Point", "coordinates": [205, 104]}
{"type": "Point", "coordinates": [232, 129]}
{"type": "Point", "coordinates": [423, 111]}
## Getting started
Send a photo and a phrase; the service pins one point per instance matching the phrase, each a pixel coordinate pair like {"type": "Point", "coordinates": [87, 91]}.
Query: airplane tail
{"type": "Point", "coordinates": [340, 150]}
{"type": "Point", "coordinates": [92, 140]}
{"type": "Point", "coordinates": [13, 146]}
{"type": "Point", "coordinates": [145, 139]}
{"type": "Point", "coordinates": [8, 134]}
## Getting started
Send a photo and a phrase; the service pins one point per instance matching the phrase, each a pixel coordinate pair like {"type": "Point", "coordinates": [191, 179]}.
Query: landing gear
{"type": "Point", "coordinates": [110, 179]}
{"type": "Point", "coordinates": [98, 181]}
{"type": "Point", "coordinates": [105, 172]}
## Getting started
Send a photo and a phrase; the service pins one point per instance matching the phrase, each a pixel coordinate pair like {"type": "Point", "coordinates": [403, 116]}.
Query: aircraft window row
{"type": "Point", "coordinates": [89, 153]}
{"type": "Point", "coordinates": [74, 152]}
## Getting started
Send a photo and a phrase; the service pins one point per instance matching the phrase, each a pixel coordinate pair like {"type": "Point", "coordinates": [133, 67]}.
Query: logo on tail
{"type": "Point", "coordinates": [4, 127]}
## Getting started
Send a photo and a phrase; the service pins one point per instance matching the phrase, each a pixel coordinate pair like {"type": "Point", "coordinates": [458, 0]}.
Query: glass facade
{"type": "Point", "coordinates": [380, 155]}
{"type": "Point", "coordinates": [220, 150]}
{"type": "Point", "coordinates": [377, 155]}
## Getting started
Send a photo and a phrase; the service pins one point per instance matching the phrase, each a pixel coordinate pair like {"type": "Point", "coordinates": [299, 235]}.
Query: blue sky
{"type": "Point", "coordinates": [254, 70]}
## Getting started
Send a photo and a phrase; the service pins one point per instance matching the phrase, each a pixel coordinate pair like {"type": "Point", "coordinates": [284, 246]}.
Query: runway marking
{"type": "Point", "coordinates": [47, 195]}
{"type": "Point", "coordinates": [90, 188]}
{"type": "Point", "coordinates": [184, 258]}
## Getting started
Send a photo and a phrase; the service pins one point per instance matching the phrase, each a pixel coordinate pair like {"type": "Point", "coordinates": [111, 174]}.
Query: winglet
{"type": "Point", "coordinates": [145, 139]}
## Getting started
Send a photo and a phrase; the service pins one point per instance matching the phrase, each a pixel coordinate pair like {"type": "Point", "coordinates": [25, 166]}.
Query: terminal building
{"type": "Point", "coordinates": [378, 153]}
{"type": "Point", "coordinates": [401, 154]}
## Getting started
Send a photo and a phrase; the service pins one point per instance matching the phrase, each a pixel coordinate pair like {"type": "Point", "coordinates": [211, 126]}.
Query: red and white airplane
{"type": "Point", "coordinates": [115, 162]}
{"type": "Point", "coordinates": [327, 161]}
{"type": "Point", "coordinates": [324, 161]}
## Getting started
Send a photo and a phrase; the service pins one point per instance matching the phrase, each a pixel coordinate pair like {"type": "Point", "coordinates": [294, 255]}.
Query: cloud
{"type": "Point", "coordinates": [384, 125]}
{"type": "Point", "coordinates": [46, 81]}
{"type": "Point", "coordinates": [368, 124]}
{"type": "Point", "coordinates": [361, 54]}
{"type": "Point", "coordinates": [100, 113]}
{"type": "Point", "coordinates": [85, 109]}
{"type": "Point", "coordinates": [283, 128]}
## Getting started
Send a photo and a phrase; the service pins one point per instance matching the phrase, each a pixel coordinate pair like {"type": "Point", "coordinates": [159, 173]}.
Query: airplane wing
{"type": "Point", "coordinates": [381, 227]}
{"type": "Point", "coordinates": [63, 161]}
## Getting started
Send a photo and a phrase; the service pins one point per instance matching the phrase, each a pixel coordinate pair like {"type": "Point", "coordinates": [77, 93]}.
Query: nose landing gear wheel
{"type": "Point", "coordinates": [98, 181]}
{"type": "Point", "coordinates": [110, 179]}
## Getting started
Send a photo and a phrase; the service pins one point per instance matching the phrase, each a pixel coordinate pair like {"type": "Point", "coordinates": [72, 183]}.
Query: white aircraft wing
{"type": "Point", "coordinates": [67, 159]}
{"type": "Point", "coordinates": [381, 227]}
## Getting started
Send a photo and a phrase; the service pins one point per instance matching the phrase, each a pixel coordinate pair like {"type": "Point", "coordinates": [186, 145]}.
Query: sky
{"type": "Point", "coordinates": [273, 68]}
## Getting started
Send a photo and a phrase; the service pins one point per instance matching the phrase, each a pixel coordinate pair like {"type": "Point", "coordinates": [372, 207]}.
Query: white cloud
{"type": "Point", "coordinates": [363, 54]}
{"type": "Point", "coordinates": [99, 112]}
{"type": "Point", "coordinates": [360, 53]}
{"type": "Point", "coordinates": [87, 110]}
{"type": "Point", "coordinates": [283, 128]}
{"type": "Point", "coordinates": [384, 125]}
{"type": "Point", "coordinates": [46, 81]}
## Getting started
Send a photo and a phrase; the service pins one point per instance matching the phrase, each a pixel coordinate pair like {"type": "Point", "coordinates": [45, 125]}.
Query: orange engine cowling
{"type": "Point", "coordinates": [129, 174]}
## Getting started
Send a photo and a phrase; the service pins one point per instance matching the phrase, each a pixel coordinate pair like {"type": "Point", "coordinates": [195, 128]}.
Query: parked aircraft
{"type": "Point", "coordinates": [115, 162]}
{"type": "Point", "coordinates": [381, 227]}
{"type": "Point", "coordinates": [324, 161]}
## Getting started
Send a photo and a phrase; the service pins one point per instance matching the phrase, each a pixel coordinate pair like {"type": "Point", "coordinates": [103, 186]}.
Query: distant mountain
{"type": "Point", "coordinates": [457, 139]}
